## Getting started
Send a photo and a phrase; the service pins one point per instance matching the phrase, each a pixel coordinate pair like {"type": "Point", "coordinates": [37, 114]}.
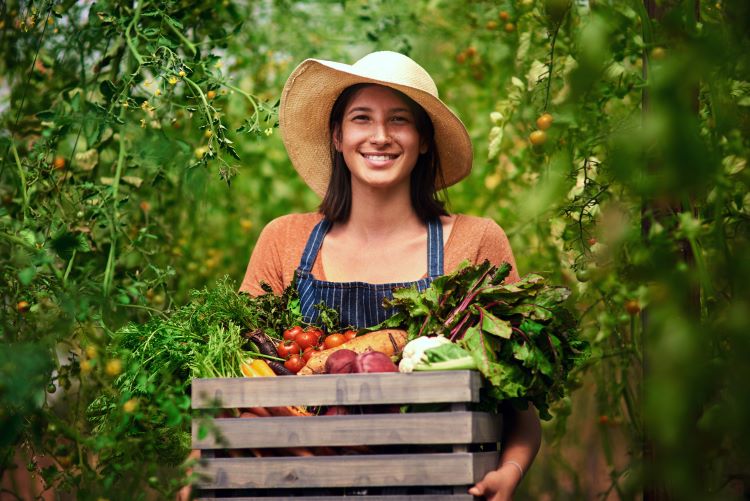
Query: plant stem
{"type": "Point", "coordinates": [551, 64]}
{"type": "Point", "coordinates": [182, 38]}
{"type": "Point", "coordinates": [205, 105]}
{"type": "Point", "coordinates": [131, 45]}
{"type": "Point", "coordinates": [23, 178]}
{"type": "Point", "coordinates": [69, 267]}
{"type": "Point", "coordinates": [109, 269]}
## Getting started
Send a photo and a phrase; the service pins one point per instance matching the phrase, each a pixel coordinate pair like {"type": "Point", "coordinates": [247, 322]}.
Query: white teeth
{"type": "Point", "coordinates": [380, 158]}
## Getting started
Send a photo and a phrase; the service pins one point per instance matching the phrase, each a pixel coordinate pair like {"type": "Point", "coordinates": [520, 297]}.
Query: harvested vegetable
{"type": "Point", "coordinates": [341, 362]}
{"type": "Point", "coordinates": [520, 336]}
{"type": "Point", "coordinates": [256, 368]}
{"type": "Point", "coordinates": [387, 341]}
{"type": "Point", "coordinates": [374, 361]}
{"type": "Point", "coordinates": [414, 351]}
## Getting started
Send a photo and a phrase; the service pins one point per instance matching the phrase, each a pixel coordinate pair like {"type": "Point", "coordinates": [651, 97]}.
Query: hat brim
{"type": "Point", "coordinates": [305, 108]}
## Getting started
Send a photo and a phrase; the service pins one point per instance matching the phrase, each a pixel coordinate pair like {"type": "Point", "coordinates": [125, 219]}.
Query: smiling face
{"type": "Point", "coordinates": [378, 139]}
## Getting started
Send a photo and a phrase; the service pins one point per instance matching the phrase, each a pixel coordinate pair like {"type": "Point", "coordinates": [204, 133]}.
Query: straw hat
{"type": "Point", "coordinates": [312, 88]}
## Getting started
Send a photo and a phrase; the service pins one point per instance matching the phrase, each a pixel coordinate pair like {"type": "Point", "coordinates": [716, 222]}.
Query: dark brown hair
{"type": "Point", "coordinates": [337, 203]}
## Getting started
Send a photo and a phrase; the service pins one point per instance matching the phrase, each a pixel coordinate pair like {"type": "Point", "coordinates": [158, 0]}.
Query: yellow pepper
{"type": "Point", "coordinates": [256, 368]}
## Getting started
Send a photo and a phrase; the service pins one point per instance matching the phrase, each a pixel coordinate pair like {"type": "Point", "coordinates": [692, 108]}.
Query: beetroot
{"type": "Point", "coordinates": [336, 410]}
{"type": "Point", "coordinates": [374, 361]}
{"type": "Point", "coordinates": [341, 362]}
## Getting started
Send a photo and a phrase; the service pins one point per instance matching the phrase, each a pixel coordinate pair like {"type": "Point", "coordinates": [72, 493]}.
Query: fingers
{"type": "Point", "coordinates": [477, 490]}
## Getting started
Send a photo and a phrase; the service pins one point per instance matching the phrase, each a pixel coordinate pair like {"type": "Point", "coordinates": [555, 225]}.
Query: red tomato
{"type": "Point", "coordinates": [350, 334]}
{"type": "Point", "coordinates": [334, 340]}
{"type": "Point", "coordinates": [306, 339]}
{"type": "Point", "coordinates": [292, 332]}
{"type": "Point", "coordinates": [309, 352]}
{"type": "Point", "coordinates": [287, 348]}
{"type": "Point", "coordinates": [295, 363]}
{"type": "Point", "coordinates": [316, 332]}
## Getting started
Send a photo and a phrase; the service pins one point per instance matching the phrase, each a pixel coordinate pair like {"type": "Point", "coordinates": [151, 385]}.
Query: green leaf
{"type": "Point", "coordinates": [27, 236]}
{"type": "Point", "coordinates": [26, 275]}
{"type": "Point", "coordinates": [495, 326]}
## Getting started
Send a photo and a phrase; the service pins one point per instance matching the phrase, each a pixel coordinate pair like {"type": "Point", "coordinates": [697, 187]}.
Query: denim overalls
{"type": "Point", "coordinates": [359, 303]}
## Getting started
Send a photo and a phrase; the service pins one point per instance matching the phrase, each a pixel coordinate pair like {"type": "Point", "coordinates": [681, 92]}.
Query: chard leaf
{"type": "Point", "coordinates": [493, 325]}
{"type": "Point", "coordinates": [530, 327]}
{"type": "Point", "coordinates": [533, 358]}
{"type": "Point", "coordinates": [532, 311]}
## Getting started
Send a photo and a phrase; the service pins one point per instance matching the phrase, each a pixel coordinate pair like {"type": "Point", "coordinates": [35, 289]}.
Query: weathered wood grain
{"type": "Point", "coordinates": [346, 471]}
{"type": "Point", "coordinates": [403, 497]}
{"type": "Point", "coordinates": [461, 427]}
{"type": "Point", "coordinates": [337, 389]}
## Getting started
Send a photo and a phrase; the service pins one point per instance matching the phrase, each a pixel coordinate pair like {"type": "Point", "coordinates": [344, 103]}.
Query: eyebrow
{"type": "Point", "coordinates": [366, 109]}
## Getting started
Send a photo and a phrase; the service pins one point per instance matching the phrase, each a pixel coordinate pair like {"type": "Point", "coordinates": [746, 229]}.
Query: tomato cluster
{"type": "Point", "coordinates": [300, 344]}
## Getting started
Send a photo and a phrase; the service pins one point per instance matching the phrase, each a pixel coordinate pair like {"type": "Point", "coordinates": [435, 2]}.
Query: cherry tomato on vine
{"type": "Point", "coordinates": [544, 121]}
{"type": "Point", "coordinates": [632, 307]}
{"type": "Point", "coordinates": [58, 163]}
{"type": "Point", "coordinates": [292, 332]}
{"type": "Point", "coordinates": [295, 363]}
{"type": "Point", "coordinates": [503, 15]}
{"type": "Point", "coordinates": [23, 306]}
{"type": "Point", "coordinates": [287, 348]}
{"type": "Point", "coordinates": [583, 275]}
{"type": "Point", "coordinates": [538, 137]}
{"type": "Point", "coordinates": [334, 340]}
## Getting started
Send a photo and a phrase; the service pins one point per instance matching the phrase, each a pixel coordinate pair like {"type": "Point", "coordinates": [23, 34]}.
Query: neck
{"type": "Point", "coordinates": [381, 214]}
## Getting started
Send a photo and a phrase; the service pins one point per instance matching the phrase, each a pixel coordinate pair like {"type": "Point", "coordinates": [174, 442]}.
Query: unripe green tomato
{"type": "Point", "coordinates": [556, 9]}
{"type": "Point", "coordinates": [583, 275]}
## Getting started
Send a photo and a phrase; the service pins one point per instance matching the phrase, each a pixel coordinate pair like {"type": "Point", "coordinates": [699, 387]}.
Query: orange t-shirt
{"type": "Point", "coordinates": [281, 243]}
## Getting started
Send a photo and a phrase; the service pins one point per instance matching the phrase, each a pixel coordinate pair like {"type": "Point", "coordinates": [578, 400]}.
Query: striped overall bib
{"type": "Point", "coordinates": [359, 303]}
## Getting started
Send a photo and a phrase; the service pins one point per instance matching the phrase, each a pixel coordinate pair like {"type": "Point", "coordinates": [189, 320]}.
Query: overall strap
{"type": "Point", "coordinates": [313, 245]}
{"type": "Point", "coordinates": [434, 248]}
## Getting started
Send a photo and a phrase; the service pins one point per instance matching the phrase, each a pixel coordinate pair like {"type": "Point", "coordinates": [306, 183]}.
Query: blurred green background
{"type": "Point", "coordinates": [139, 160]}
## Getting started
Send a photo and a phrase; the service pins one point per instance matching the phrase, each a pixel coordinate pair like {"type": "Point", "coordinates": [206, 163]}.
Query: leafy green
{"type": "Point", "coordinates": [520, 336]}
{"type": "Point", "coordinates": [446, 357]}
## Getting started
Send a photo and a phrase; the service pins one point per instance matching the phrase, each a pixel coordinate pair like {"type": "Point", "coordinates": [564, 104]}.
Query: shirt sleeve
{"type": "Point", "coordinates": [494, 246]}
{"type": "Point", "coordinates": [266, 261]}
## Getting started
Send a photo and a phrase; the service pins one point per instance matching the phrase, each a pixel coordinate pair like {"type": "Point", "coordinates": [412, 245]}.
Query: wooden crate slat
{"type": "Point", "coordinates": [345, 471]}
{"type": "Point", "coordinates": [354, 389]}
{"type": "Point", "coordinates": [365, 429]}
{"type": "Point", "coordinates": [395, 497]}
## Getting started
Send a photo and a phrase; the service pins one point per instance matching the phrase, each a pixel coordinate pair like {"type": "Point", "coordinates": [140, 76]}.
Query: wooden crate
{"type": "Point", "coordinates": [429, 455]}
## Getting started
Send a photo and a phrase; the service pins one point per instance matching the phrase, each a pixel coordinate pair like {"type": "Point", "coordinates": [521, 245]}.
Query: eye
{"type": "Point", "coordinates": [400, 119]}
{"type": "Point", "coordinates": [360, 118]}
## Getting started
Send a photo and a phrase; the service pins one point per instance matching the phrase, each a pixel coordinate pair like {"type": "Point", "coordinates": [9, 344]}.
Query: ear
{"type": "Point", "coordinates": [423, 147]}
{"type": "Point", "coordinates": [336, 137]}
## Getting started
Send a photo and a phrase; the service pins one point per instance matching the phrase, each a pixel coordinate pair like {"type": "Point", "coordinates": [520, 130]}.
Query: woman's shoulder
{"type": "Point", "coordinates": [293, 223]}
{"type": "Point", "coordinates": [476, 226]}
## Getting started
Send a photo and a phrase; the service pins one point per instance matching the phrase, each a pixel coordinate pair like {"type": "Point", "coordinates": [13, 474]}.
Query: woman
{"type": "Point", "coordinates": [375, 141]}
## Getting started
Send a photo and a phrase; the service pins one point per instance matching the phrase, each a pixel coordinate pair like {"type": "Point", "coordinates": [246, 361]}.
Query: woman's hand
{"type": "Point", "coordinates": [498, 485]}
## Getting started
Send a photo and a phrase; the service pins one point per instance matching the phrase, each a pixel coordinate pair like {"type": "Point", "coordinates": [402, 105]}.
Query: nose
{"type": "Point", "coordinates": [380, 134]}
